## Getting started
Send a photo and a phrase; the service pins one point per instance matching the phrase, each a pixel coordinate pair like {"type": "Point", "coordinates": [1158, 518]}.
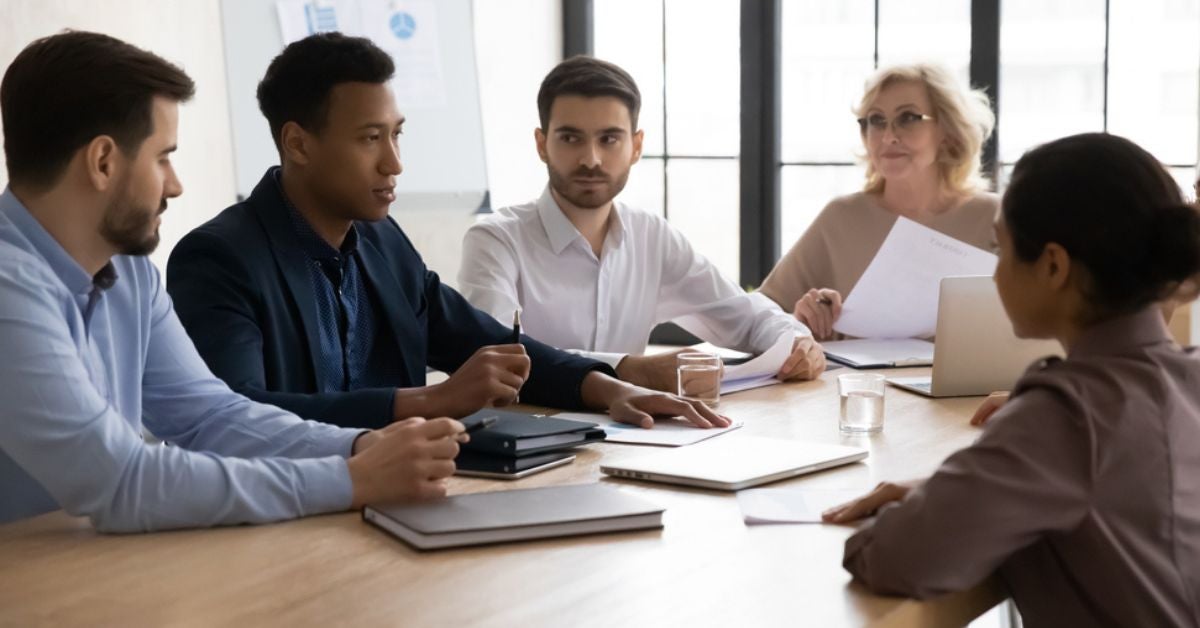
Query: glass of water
{"type": "Point", "coordinates": [699, 377]}
{"type": "Point", "coordinates": [862, 402]}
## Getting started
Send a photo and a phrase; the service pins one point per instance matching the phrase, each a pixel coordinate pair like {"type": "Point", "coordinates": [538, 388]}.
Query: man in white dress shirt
{"type": "Point", "coordinates": [595, 276]}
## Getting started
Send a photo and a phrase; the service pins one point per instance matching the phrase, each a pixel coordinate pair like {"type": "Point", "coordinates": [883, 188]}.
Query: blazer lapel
{"type": "Point", "coordinates": [387, 288]}
{"type": "Point", "coordinates": [292, 261]}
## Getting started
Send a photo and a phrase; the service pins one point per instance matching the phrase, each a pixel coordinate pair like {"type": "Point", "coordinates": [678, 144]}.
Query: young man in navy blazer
{"type": "Point", "coordinates": [308, 296]}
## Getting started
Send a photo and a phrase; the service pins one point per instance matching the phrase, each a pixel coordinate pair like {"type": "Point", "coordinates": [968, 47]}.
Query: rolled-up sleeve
{"type": "Point", "coordinates": [697, 297]}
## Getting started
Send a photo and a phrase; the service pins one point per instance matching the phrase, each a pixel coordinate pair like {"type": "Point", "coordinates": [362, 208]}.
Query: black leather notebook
{"type": "Point", "coordinates": [477, 465]}
{"type": "Point", "coordinates": [516, 434]}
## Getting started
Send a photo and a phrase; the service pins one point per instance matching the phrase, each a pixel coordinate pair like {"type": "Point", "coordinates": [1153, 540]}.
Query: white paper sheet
{"type": "Point", "coordinates": [791, 505]}
{"type": "Point", "coordinates": [666, 432]}
{"type": "Point", "coordinates": [300, 18]}
{"type": "Point", "coordinates": [759, 371]}
{"type": "Point", "coordinates": [408, 31]}
{"type": "Point", "coordinates": [897, 296]}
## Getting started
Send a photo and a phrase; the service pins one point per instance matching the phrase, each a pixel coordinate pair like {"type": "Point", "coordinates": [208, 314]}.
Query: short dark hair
{"type": "Point", "coordinates": [63, 91]}
{"type": "Point", "coordinates": [298, 82]}
{"type": "Point", "coordinates": [1115, 210]}
{"type": "Point", "coordinates": [582, 75]}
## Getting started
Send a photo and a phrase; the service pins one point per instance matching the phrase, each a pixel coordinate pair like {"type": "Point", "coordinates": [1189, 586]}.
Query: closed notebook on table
{"type": "Point", "coordinates": [516, 434]}
{"type": "Point", "coordinates": [477, 465]}
{"type": "Point", "coordinates": [869, 354]}
{"type": "Point", "coordinates": [526, 514]}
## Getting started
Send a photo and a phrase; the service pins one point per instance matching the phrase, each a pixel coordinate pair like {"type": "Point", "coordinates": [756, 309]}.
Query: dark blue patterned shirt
{"type": "Point", "coordinates": [355, 351]}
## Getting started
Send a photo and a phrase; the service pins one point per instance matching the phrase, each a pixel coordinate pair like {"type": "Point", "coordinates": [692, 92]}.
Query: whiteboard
{"type": "Point", "coordinates": [442, 146]}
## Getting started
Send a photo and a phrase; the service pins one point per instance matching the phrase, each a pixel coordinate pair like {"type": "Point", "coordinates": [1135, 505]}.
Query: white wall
{"type": "Point", "coordinates": [517, 42]}
{"type": "Point", "coordinates": [185, 32]}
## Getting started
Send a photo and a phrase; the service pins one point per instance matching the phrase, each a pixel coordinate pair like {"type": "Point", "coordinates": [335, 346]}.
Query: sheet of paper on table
{"type": "Point", "coordinates": [666, 432]}
{"type": "Point", "coordinates": [792, 504]}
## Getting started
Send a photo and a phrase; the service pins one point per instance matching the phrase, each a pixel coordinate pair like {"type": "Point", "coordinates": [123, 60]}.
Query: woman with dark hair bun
{"type": "Point", "coordinates": [1083, 493]}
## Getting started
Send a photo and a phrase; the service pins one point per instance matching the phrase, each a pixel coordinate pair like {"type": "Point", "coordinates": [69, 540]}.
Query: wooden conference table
{"type": "Point", "coordinates": [704, 568]}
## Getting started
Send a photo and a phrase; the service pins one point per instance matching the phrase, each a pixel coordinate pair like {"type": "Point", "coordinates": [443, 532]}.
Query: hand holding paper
{"type": "Point", "coordinates": [897, 296]}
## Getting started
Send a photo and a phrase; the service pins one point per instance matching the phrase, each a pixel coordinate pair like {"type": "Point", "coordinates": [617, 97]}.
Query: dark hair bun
{"type": "Point", "coordinates": [1116, 211]}
{"type": "Point", "coordinates": [1175, 246]}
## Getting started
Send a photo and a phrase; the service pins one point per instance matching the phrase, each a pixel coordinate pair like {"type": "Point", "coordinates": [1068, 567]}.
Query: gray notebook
{"type": "Point", "coordinates": [519, 515]}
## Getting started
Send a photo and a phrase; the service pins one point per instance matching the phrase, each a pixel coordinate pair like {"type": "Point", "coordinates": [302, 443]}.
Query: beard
{"type": "Point", "coordinates": [587, 198]}
{"type": "Point", "coordinates": [127, 226]}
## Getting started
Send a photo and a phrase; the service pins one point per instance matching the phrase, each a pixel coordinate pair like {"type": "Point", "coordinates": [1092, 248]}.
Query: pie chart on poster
{"type": "Point", "coordinates": [403, 25]}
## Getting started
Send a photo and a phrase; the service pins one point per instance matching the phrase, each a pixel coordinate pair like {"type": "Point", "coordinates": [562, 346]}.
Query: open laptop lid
{"type": "Point", "coordinates": [976, 352]}
{"type": "Point", "coordinates": [734, 462]}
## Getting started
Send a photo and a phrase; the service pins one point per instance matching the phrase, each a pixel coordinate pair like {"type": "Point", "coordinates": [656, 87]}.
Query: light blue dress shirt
{"type": "Point", "coordinates": [84, 369]}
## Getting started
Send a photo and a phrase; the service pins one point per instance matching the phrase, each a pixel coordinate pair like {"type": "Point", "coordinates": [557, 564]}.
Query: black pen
{"type": "Point", "coordinates": [483, 424]}
{"type": "Point", "coordinates": [516, 340]}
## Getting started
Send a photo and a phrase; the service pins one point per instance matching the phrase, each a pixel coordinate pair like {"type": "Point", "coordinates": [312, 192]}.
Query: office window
{"type": "Point", "coordinates": [829, 51]}
{"type": "Point", "coordinates": [1067, 68]}
{"type": "Point", "coordinates": [684, 55]}
{"type": "Point", "coordinates": [1051, 71]}
{"type": "Point", "coordinates": [1130, 67]}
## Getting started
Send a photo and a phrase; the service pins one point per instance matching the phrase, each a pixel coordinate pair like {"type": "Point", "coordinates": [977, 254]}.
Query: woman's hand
{"type": "Point", "coordinates": [989, 407]}
{"type": "Point", "coordinates": [869, 504]}
{"type": "Point", "coordinates": [819, 309]}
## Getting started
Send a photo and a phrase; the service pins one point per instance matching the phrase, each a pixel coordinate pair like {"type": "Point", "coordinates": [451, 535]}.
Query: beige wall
{"type": "Point", "coordinates": [517, 41]}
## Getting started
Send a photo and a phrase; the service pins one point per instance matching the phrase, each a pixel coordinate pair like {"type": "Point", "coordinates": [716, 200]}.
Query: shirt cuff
{"type": "Point", "coordinates": [338, 443]}
{"type": "Point", "coordinates": [325, 485]}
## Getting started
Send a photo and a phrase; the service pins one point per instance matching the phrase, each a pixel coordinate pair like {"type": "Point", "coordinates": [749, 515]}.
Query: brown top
{"type": "Point", "coordinates": [835, 250]}
{"type": "Point", "coordinates": [1082, 494]}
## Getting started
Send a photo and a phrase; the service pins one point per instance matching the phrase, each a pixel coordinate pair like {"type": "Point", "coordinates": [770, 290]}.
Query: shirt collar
{"type": "Point", "coordinates": [1117, 335]}
{"type": "Point", "coordinates": [560, 230]}
{"type": "Point", "coordinates": [314, 245]}
{"type": "Point", "coordinates": [73, 276]}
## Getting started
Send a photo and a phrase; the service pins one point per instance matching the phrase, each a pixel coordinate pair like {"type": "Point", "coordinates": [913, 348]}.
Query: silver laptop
{"type": "Point", "coordinates": [733, 462]}
{"type": "Point", "coordinates": [976, 352]}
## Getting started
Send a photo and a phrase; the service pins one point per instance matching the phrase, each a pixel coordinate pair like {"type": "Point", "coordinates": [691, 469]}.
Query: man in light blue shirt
{"type": "Point", "coordinates": [91, 352]}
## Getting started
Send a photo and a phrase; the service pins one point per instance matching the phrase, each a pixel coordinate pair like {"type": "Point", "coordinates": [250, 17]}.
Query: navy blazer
{"type": "Point", "coordinates": [241, 286]}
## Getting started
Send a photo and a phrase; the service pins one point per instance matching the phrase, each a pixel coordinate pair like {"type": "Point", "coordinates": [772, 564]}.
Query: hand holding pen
{"type": "Point", "coordinates": [516, 340]}
{"type": "Point", "coordinates": [819, 309]}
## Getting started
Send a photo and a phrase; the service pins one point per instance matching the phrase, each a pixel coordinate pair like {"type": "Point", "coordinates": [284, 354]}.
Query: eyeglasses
{"type": "Point", "coordinates": [906, 122]}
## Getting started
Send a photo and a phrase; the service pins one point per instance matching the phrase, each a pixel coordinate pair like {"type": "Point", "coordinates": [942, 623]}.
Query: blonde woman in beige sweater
{"type": "Point", "coordinates": [923, 133]}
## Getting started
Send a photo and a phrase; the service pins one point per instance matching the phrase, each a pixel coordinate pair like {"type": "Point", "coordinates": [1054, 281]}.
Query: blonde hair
{"type": "Point", "coordinates": [964, 115]}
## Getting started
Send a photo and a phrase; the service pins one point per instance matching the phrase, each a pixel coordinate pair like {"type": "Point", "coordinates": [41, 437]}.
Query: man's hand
{"type": "Point", "coordinates": [407, 460]}
{"type": "Point", "coordinates": [806, 362]}
{"type": "Point", "coordinates": [656, 372]}
{"type": "Point", "coordinates": [638, 406]}
{"type": "Point", "coordinates": [989, 407]}
{"type": "Point", "coordinates": [491, 378]}
{"type": "Point", "coordinates": [819, 310]}
{"type": "Point", "coordinates": [868, 504]}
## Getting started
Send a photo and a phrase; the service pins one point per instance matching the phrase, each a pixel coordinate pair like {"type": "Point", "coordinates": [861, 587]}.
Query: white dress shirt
{"type": "Point", "coordinates": [530, 257]}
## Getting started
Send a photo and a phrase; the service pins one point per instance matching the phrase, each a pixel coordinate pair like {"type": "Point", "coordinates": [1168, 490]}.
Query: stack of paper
{"type": "Point", "coordinates": [759, 371]}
